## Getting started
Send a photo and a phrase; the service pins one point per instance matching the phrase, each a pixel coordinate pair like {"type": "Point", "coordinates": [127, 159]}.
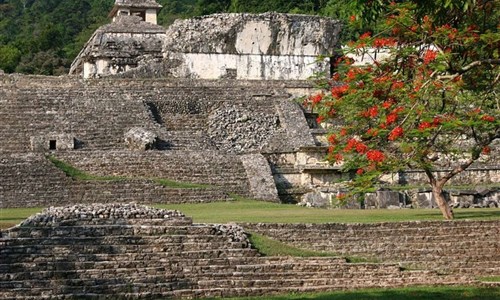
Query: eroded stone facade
{"type": "Point", "coordinates": [236, 46]}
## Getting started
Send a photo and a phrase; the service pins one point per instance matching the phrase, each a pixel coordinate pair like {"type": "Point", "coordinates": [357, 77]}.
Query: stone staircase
{"type": "Point", "coordinates": [132, 252]}
{"type": "Point", "coordinates": [460, 247]}
{"type": "Point", "coordinates": [202, 167]}
{"type": "Point", "coordinates": [97, 113]}
{"type": "Point", "coordinates": [31, 180]}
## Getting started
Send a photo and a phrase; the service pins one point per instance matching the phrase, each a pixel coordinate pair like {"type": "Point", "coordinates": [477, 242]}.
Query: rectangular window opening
{"type": "Point", "coordinates": [52, 145]}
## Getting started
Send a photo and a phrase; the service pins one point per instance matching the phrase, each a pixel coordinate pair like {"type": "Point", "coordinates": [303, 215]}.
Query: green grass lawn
{"type": "Point", "coordinates": [245, 210]}
{"type": "Point", "coordinates": [414, 293]}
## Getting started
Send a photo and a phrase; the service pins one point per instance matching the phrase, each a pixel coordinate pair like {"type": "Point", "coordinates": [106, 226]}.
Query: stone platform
{"type": "Point", "coordinates": [128, 251]}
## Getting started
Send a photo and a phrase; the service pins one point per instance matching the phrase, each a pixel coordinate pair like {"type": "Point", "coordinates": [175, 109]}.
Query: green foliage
{"type": "Point", "coordinates": [431, 99]}
{"type": "Point", "coordinates": [489, 279]}
{"type": "Point", "coordinates": [270, 247]}
{"type": "Point", "coordinates": [69, 170]}
{"type": "Point", "coordinates": [45, 32]}
{"type": "Point", "coordinates": [9, 58]}
{"type": "Point", "coordinates": [262, 212]}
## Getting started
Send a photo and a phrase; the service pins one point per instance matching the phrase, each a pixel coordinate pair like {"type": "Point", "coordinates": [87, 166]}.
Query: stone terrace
{"type": "Point", "coordinates": [130, 251]}
{"type": "Point", "coordinates": [188, 116]}
{"type": "Point", "coordinates": [460, 247]}
{"type": "Point", "coordinates": [97, 113]}
{"type": "Point", "coordinates": [31, 180]}
{"type": "Point", "coordinates": [185, 166]}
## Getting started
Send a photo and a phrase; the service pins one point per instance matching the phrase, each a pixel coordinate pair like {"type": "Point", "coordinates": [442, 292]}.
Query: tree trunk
{"type": "Point", "coordinates": [444, 206]}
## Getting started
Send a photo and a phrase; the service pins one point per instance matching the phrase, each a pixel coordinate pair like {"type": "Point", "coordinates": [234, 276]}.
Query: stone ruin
{"type": "Point", "coordinates": [268, 46]}
{"type": "Point", "coordinates": [211, 99]}
{"type": "Point", "coordinates": [210, 107]}
{"type": "Point", "coordinates": [130, 251]}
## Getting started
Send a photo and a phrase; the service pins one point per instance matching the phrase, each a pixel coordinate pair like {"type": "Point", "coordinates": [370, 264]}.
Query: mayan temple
{"type": "Point", "coordinates": [210, 101]}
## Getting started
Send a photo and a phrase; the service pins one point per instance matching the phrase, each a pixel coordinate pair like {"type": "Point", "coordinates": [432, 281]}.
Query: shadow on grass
{"type": "Point", "coordinates": [416, 293]}
{"type": "Point", "coordinates": [466, 214]}
{"type": "Point", "coordinates": [477, 214]}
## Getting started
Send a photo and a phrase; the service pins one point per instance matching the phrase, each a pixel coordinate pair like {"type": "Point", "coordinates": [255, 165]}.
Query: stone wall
{"type": "Point", "coordinates": [31, 180]}
{"type": "Point", "coordinates": [118, 47]}
{"type": "Point", "coordinates": [248, 46]}
{"type": "Point", "coordinates": [202, 167]}
{"type": "Point", "coordinates": [134, 252]}
{"type": "Point", "coordinates": [97, 113]}
{"type": "Point", "coordinates": [459, 246]}
{"type": "Point", "coordinates": [260, 177]}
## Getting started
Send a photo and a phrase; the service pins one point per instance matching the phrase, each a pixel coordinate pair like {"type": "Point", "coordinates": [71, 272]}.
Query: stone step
{"type": "Point", "coordinates": [194, 254]}
{"type": "Point", "coordinates": [124, 248]}
{"type": "Point", "coordinates": [174, 228]}
{"type": "Point", "coordinates": [447, 256]}
{"type": "Point", "coordinates": [393, 280]}
{"type": "Point", "coordinates": [277, 272]}
{"type": "Point", "coordinates": [116, 240]}
{"type": "Point", "coordinates": [393, 247]}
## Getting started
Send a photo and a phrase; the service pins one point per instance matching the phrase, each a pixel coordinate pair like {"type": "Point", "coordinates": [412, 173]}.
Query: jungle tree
{"type": "Point", "coordinates": [425, 96]}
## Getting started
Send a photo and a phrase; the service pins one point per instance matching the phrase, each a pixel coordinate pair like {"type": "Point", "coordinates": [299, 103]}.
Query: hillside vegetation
{"type": "Point", "coordinates": [44, 36]}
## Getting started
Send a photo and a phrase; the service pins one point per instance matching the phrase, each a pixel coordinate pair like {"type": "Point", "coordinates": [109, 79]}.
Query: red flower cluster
{"type": "Point", "coordinates": [424, 125]}
{"type": "Point", "coordinates": [339, 90]}
{"type": "Point", "coordinates": [396, 133]}
{"type": "Point", "coordinates": [436, 121]}
{"type": "Point", "coordinates": [429, 56]}
{"type": "Point", "coordinates": [320, 119]}
{"type": "Point", "coordinates": [375, 156]}
{"type": "Point", "coordinates": [387, 104]}
{"type": "Point", "coordinates": [365, 35]}
{"type": "Point", "coordinates": [332, 139]}
{"type": "Point", "coordinates": [372, 132]}
{"type": "Point", "coordinates": [384, 42]}
{"type": "Point", "coordinates": [391, 118]}
{"type": "Point", "coordinates": [372, 112]}
{"type": "Point", "coordinates": [356, 145]}
{"type": "Point", "coordinates": [353, 72]}
{"type": "Point", "coordinates": [315, 99]}
{"type": "Point", "coordinates": [397, 85]}
{"type": "Point", "coordinates": [488, 118]}
{"type": "Point", "coordinates": [360, 171]}
{"type": "Point", "coordinates": [486, 150]}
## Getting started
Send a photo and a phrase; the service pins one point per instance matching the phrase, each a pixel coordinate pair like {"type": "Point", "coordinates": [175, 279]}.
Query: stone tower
{"type": "Point", "coordinates": [146, 9]}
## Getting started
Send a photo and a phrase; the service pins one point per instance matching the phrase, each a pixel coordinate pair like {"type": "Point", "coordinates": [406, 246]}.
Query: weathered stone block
{"type": "Point", "coordinates": [262, 185]}
{"type": "Point", "coordinates": [462, 199]}
{"type": "Point", "coordinates": [425, 199]}
{"type": "Point", "coordinates": [140, 139]}
{"type": "Point", "coordinates": [316, 199]}
{"type": "Point", "coordinates": [388, 199]}
{"type": "Point", "coordinates": [384, 199]}
{"type": "Point", "coordinates": [52, 141]}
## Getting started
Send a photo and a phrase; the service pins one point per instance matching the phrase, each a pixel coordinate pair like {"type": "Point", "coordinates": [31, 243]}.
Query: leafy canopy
{"type": "Point", "coordinates": [425, 95]}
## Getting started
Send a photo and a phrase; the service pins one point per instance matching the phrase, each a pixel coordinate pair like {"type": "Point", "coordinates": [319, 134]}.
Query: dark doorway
{"type": "Point", "coordinates": [52, 145]}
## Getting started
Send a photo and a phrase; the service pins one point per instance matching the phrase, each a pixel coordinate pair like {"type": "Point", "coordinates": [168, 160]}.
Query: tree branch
{"type": "Point", "coordinates": [468, 68]}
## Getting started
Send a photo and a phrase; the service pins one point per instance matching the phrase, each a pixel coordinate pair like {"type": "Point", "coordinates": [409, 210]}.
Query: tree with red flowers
{"type": "Point", "coordinates": [425, 96]}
